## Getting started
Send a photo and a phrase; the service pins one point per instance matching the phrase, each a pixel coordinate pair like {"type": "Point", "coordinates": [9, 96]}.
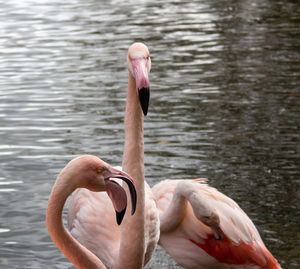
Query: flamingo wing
{"type": "Point", "coordinates": [241, 245]}
{"type": "Point", "coordinates": [151, 224]}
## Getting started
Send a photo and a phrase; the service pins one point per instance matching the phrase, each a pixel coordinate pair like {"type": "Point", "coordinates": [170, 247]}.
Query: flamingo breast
{"type": "Point", "coordinates": [92, 221]}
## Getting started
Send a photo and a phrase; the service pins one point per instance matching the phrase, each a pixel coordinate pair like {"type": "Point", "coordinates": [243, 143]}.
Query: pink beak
{"type": "Point", "coordinates": [117, 194]}
{"type": "Point", "coordinates": [140, 70]}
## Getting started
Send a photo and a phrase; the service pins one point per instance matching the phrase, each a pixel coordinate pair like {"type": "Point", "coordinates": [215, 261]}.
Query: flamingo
{"type": "Point", "coordinates": [91, 215]}
{"type": "Point", "coordinates": [201, 227]}
{"type": "Point", "coordinates": [91, 173]}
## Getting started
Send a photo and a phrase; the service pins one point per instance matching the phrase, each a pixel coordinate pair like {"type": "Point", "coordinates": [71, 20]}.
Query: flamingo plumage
{"type": "Point", "coordinates": [201, 227]}
{"type": "Point", "coordinates": [91, 215]}
{"type": "Point", "coordinates": [91, 173]}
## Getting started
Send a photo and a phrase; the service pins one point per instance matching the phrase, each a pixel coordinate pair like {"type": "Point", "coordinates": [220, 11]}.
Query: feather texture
{"type": "Point", "coordinates": [194, 245]}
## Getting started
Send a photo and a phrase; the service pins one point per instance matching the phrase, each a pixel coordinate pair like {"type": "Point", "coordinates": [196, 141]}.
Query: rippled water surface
{"type": "Point", "coordinates": [225, 104]}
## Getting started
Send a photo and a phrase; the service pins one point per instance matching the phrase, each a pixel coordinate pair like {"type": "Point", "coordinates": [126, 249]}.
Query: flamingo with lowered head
{"type": "Point", "coordinates": [91, 173]}
{"type": "Point", "coordinates": [201, 228]}
{"type": "Point", "coordinates": [91, 215]}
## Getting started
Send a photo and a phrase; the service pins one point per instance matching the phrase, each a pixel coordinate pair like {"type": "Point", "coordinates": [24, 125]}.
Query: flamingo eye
{"type": "Point", "coordinates": [100, 170]}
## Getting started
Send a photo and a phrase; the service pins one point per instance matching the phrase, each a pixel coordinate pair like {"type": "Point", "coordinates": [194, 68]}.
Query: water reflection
{"type": "Point", "coordinates": [224, 105]}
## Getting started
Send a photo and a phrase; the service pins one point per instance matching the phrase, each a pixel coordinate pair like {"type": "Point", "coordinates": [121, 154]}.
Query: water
{"type": "Point", "coordinates": [225, 104]}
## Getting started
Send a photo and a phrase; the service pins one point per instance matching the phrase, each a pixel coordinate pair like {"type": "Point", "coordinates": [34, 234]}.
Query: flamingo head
{"type": "Point", "coordinates": [90, 172]}
{"type": "Point", "coordinates": [139, 65]}
{"type": "Point", "coordinates": [213, 221]}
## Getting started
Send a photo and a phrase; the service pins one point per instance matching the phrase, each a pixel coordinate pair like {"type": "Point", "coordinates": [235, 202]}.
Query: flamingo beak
{"type": "Point", "coordinates": [144, 96]}
{"type": "Point", "coordinates": [140, 70]}
{"type": "Point", "coordinates": [117, 194]}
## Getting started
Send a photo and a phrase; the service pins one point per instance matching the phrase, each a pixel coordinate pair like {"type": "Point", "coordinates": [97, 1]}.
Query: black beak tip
{"type": "Point", "coordinates": [144, 96]}
{"type": "Point", "coordinates": [132, 195]}
{"type": "Point", "coordinates": [120, 216]}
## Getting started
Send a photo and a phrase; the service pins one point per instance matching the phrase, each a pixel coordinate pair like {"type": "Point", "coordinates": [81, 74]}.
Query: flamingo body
{"type": "Point", "coordinates": [91, 220]}
{"type": "Point", "coordinates": [194, 245]}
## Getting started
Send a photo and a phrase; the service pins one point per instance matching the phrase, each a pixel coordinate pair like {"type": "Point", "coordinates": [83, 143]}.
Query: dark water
{"type": "Point", "coordinates": [225, 105]}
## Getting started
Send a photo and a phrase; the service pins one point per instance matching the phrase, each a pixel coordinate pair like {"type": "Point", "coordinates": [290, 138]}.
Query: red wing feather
{"type": "Point", "coordinates": [225, 251]}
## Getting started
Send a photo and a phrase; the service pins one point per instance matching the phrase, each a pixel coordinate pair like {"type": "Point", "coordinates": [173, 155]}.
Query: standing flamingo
{"type": "Point", "coordinates": [90, 216]}
{"type": "Point", "coordinates": [201, 227]}
{"type": "Point", "coordinates": [139, 65]}
{"type": "Point", "coordinates": [91, 173]}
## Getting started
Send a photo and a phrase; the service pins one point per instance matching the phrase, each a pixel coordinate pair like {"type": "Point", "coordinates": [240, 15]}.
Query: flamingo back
{"type": "Point", "coordinates": [242, 244]}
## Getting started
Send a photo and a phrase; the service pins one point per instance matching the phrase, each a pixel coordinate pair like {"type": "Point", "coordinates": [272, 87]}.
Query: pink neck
{"type": "Point", "coordinates": [133, 157]}
{"type": "Point", "coordinates": [132, 229]}
{"type": "Point", "coordinates": [80, 256]}
{"type": "Point", "coordinates": [172, 217]}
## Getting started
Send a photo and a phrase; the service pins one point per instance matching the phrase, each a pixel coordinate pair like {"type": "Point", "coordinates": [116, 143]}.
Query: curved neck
{"type": "Point", "coordinates": [80, 256]}
{"type": "Point", "coordinates": [184, 192]}
{"type": "Point", "coordinates": [174, 214]}
{"type": "Point", "coordinates": [132, 246]}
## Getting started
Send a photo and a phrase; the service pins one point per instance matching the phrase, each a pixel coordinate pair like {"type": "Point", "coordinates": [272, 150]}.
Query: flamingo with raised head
{"type": "Point", "coordinates": [201, 227]}
{"type": "Point", "coordinates": [88, 172]}
{"type": "Point", "coordinates": [139, 65]}
{"type": "Point", "coordinates": [91, 215]}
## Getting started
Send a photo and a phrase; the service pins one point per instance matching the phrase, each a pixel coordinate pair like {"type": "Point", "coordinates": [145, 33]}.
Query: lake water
{"type": "Point", "coordinates": [225, 104]}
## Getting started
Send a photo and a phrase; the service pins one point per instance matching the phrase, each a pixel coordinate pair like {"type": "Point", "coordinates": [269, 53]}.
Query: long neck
{"type": "Point", "coordinates": [133, 156]}
{"type": "Point", "coordinates": [80, 256]}
{"type": "Point", "coordinates": [184, 192]}
{"type": "Point", "coordinates": [132, 248]}
{"type": "Point", "coordinates": [174, 214]}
